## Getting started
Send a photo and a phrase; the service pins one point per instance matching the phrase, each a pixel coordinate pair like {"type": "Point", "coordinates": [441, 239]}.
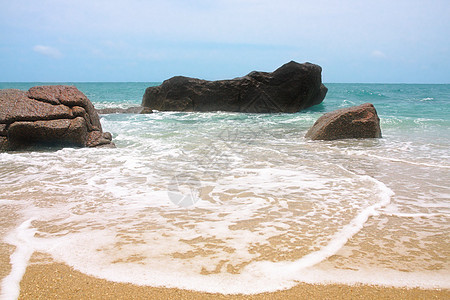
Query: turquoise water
{"type": "Point", "coordinates": [242, 203]}
{"type": "Point", "coordinates": [425, 101]}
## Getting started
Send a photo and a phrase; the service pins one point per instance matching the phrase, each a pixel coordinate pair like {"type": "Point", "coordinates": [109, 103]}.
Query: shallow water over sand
{"type": "Point", "coordinates": [239, 203]}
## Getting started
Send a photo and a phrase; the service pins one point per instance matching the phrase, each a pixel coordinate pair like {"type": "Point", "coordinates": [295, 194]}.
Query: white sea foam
{"type": "Point", "coordinates": [402, 151]}
{"type": "Point", "coordinates": [256, 277]}
{"type": "Point", "coordinates": [11, 202]}
{"type": "Point", "coordinates": [340, 238]}
{"type": "Point", "coordinates": [274, 208]}
{"type": "Point", "coordinates": [408, 161]}
{"type": "Point", "coordinates": [92, 251]}
{"type": "Point", "coordinates": [21, 238]}
{"type": "Point", "coordinates": [415, 215]}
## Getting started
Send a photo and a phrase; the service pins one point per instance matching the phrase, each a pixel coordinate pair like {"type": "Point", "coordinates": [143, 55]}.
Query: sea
{"type": "Point", "coordinates": [239, 202]}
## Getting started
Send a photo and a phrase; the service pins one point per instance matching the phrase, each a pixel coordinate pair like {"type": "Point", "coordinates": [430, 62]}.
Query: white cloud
{"type": "Point", "coordinates": [48, 51]}
{"type": "Point", "coordinates": [378, 54]}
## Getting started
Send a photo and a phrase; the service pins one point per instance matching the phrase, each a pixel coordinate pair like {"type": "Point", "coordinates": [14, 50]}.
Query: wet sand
{"type": "Point", "coordinates": [59, 281]}
{"type": "Point", "coordinates": [5, 267]}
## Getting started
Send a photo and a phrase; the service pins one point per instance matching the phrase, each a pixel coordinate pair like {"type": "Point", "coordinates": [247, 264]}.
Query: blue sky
{"type": "Point", "coordinates": [135, 40]}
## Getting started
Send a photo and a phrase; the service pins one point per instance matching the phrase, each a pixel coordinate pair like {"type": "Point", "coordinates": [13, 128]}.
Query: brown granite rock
{"type": "Point", "coordinates": [48, 115]}
{"type": "Point", "coordinates": [64, 132]}
{"type": "Point", "coordinates": [2, 129]}
{"type": "Point", "coordinates": [355, 122]}
{"type": "Point", "coordinates": [16, 106]}
{"type": "Point", "coordinates": [290, 88]}
{"type": "Point", "coordinates": [67, 95]}
{"type": "Point", "coordinates": [4, 143]}
{"type": "Point", "coordinates": [98, 138]}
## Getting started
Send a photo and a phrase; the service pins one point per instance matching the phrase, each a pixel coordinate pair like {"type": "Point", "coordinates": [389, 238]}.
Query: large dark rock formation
{"type": "Point", "coordinates": [290, 88]}
{"type": "Point", "coordinates": [49, 116]}
{"type": "Point", "coordinates": [354, 122]}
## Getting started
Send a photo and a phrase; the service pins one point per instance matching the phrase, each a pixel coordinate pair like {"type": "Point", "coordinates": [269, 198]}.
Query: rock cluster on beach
{"type": "Point", "coordinates": [49, 116]}
{"type": "Point", "coordinates": [355, 122]}
{"type": "Point", "coordinates": [64, 116]}
{"type": "Point", "coordinates": [289, 89]}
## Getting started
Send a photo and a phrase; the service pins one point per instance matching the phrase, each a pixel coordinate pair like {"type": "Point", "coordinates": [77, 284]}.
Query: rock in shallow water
{"type": "Point", "coordinates": [355, 122]}
{"type": "Point", "coordinates": [290, 88]}
{"type": "Point", "coordinates": [50, 116]}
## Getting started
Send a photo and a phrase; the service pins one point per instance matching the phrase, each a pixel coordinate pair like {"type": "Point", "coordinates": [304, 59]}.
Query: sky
{"type": "Point", "coordinates": [381, 41]}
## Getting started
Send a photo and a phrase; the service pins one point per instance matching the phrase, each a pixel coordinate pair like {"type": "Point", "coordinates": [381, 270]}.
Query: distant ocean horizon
{"type": "Point", "coordinates": [242, 203]}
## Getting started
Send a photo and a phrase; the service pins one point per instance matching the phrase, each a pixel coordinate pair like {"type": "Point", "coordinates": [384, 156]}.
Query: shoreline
{"type": "Point", "coordinates": [269, 195]}
{"type": "Point", "coordinates": [59, 281]}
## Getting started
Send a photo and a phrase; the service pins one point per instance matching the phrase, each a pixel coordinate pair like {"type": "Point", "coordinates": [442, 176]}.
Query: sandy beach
{"type": "Point", "coordinates": [271, 214]}
{"type": "Point", "coordinates": [59, 281]}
